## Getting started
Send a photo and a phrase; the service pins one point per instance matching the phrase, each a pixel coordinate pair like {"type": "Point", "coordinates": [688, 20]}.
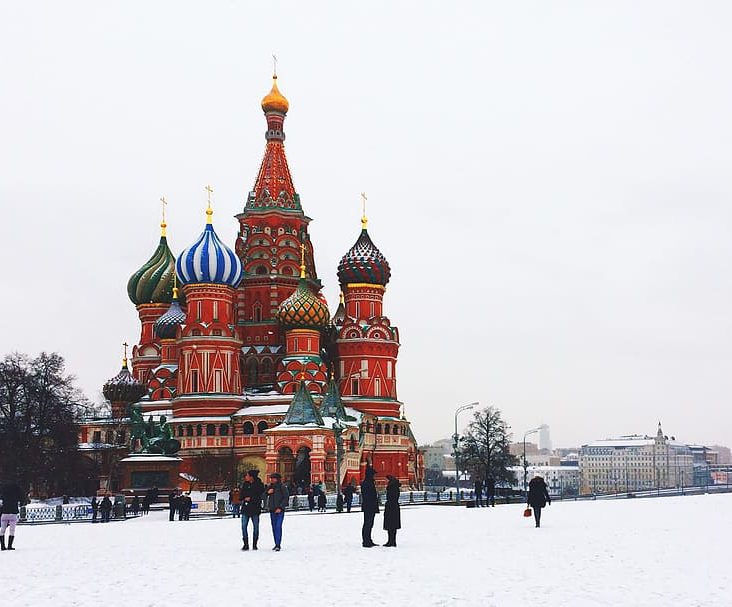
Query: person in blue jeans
{"type": "Point", "coordinates": [251, 494]}
{"type": "Point", "coordinates": [278, 497]}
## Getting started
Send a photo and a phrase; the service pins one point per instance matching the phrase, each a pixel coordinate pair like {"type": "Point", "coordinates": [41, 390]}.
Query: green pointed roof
{"type": "Point", "coordinates": [302, 410]}
{"type": "Point", "coordinates": [332, 405]}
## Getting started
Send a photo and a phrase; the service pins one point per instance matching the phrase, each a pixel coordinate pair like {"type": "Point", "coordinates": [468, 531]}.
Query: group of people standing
{"type": "Point", "coordinates": [104, 506]}
{"type": "Point", "coordinates": [490, 492]}
{"type": "Point", "coordinates": [370, 508]}
{"type": "Point", "coordinates": [181, 503]}
{"type": "Point", "coordinates": [254, 497]}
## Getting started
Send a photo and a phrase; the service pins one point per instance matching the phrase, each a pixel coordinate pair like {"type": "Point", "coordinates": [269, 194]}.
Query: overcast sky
{"type": "Point", "coordinates": [550, 182]}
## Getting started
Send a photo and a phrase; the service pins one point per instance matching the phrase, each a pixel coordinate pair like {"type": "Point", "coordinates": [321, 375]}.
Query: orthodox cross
{"type": "Point", "coordinates": [125, 347]}
{"type": "Point", "coordinates": [164, 203]}
{"type": "Point", "coordinates": [302, 260]}
{"type": "Point", "coordinates": [274, 61]}
{"type": "Point", "coordinates": [364, 221]}
{"type": "Point", "coordinates": [209, 189]}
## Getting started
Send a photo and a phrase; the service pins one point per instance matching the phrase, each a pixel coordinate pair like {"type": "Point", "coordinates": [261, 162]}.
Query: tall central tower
{"type": "Point", "coordinates": [272, 228]}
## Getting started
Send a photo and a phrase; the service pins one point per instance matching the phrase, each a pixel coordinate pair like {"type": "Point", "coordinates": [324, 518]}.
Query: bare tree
{"type": "Point", "coordinates": [484, 449]}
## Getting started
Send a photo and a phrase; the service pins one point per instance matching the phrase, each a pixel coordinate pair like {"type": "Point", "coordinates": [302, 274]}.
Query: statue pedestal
{"type": "Point", "coordinates": [143, 471]}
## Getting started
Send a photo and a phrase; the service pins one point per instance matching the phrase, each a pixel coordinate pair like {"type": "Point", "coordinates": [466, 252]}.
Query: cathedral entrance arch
{"type": "Point", "coordinates": [285, 463]}
{"type": "Point", "coordinates": [302, 468]}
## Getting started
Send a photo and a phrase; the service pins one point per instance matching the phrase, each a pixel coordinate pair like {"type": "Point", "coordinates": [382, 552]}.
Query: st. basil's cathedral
{"type": "Point", "coordinates": [240, 354]}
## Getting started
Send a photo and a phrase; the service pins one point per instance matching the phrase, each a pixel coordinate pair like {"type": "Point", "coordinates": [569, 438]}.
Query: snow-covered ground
{"type": "Point", "coordinates": [669, 551]}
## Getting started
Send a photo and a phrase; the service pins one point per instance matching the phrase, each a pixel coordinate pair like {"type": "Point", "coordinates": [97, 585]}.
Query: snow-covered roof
{"type": "Point", "coordinates": [142, 457]}
{"type": "Point", "coordinates": [194, 420]}
{"type": "Point", "coordinates": [262, 410]}
{"type": "Point", "coordinates": [623, 442]}
{"type": "Point", "coordinates": [159, 412]}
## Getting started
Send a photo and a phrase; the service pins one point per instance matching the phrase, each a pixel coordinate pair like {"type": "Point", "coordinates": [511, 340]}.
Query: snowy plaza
{"type": "Point", "coordinates": [667, 551]}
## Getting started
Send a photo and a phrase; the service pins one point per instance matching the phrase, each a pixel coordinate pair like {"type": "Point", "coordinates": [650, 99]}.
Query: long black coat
{"type": "Point", "coordinates": [538, 493]}
{"type": "Point", "coordinates": [12, 498]}
{"type": "Point", "coordinates": [369, 497]}
{"type": "Point", "coordinates": [392, 512]}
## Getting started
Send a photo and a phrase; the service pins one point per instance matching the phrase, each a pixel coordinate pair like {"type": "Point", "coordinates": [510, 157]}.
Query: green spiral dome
{"type": "Point", "coordinates": [153, 282]}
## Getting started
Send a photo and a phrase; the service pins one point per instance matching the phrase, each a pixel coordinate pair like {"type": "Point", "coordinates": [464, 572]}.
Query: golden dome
{"type": "Point", "coordinates": [275, 101]}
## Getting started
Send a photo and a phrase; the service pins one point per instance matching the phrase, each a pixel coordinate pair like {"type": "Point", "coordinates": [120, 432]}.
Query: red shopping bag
{"type": "Point", "coordinates": [527, 512]}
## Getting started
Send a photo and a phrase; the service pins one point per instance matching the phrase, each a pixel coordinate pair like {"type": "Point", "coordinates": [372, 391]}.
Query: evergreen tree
{"type": "Point", "coordinates": [484, 449]}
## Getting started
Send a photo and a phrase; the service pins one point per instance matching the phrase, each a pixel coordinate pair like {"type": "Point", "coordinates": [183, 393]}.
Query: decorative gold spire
{"type": "Point", "coordinates": [302, 260]}
{"type": "Point", "coordinates": [175, 286]}
{"type": "Point", "coordinates": [209, 210]}
{"type": "Point", "coordinates": [364, 219]}
{"type": "Point", "coordinates": [340, 297]}
{"type": "Point", "coordinates": [124, 360]}
{"type": "Point", "coordinates": [163, 225]}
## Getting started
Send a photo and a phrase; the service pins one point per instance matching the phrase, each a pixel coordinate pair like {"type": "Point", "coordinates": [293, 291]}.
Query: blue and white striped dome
{"type": "Point", "coordinates": [209, 260]}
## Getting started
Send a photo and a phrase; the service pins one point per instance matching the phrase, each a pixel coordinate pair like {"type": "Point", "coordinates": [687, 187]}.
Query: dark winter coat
{"type": "Point", "coordinates": [279, 498]}
{"type": "Point", "coordinates": [348, 493]}
{"type": "Point", "coordinates": [251, 497]}
{"type": "Point", "coordinates": [392, 513]}
{"type": "Point", "coordinates": [94, 504]}
{"type": "Point", "coordinates": [478, 487]}
{"type": "Point", "coordinates": [321, 499]}
{"type": "Point", "coordinates": [369, 496]}
{"type": "Point", "coordinates": [490, 487]}
{"type": "Point", "coordinates": [173, 501]}
{"type": "Point", "coordinates": [106, 504]}
{"type": "Point", "coordinates": [538, 493]}
{"type": "Point", "coordinates": [12, 498]}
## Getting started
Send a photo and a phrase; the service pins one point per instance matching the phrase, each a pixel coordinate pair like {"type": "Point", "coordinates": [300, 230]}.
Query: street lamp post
{"type": "Point", "coordinates": [455, 439]}
{"type": "Point", "coordinates": [338, 428]}
{"type": "Point", "coordinates": [526, 464]}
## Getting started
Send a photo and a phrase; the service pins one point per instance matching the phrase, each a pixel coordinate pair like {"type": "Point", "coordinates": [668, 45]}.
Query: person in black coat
{"type": "Point", "coordinates": [348, 496]}
{"type": "Point", "coordinates": [369, 506]}
{"type": "Point", "coordinates": [106, 508]}
{"type": "Point", "coordinates": [251, 493]}
{"type": "Point", "coordinates": [173, 504]}
{"type": "Point", "coordinates": [95, 509]}
{"type": "Point", "coordinates": [538, 497]}
{"type": "Point", "coordinates": [490, 492]}
{"type": "Point", "coordinates": [12, 498]}
{"type": "Point", "coordinates": [135, 505]}
{"type": "Point", "coordinates": [392, 513]}
{"type": "Point", "coordinates": [322, 501]}
{"type": "Point", "coordinates": [478, 486]}
{"type": "Point", "coordinates": [311, 499]}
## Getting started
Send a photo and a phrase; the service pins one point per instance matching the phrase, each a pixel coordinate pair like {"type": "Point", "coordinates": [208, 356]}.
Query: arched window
{"type": "Point", "coordinates": [287, 271]}
{"type": "Point", "coordinates": [252, 372]}
{"type": "Point", "coordinates": [210, 429]}
{"type": "Point", "coordinates": [224, 429]}
{"type": "Point", "coordinates": [199, 430]}
{"type": "Point", "coordinates": [257, 312]}
{"type": "Point", "coordinates": [387, 429]}
{"type": "Point", "coordinates": [189, 430]}
{"type": "Point", "coordinates": [266, 370]}
{"type": "Point", "coordinates": [261, 270]}
{"type": "Point", "coordinates": [180, 430]}
{"type": "Point", "coordinates": [248, 428]}
{"type": "Point", "coordinates": [261, 427]}
{"type": "Point", "coordinates": [378, 428]}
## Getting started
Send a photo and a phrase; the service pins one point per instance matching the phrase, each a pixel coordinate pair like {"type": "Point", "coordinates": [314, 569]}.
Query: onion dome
{"type": "Point", "coordinates": [274, 101]}
{"type": "Point", "coordinates": [364, 263]}
{"type": "Point", "coordinates": [303, 309]}
{"type": "Point", "coordinates": [167, 324]}
{"type": "Point", "coordinates": [153, 282]}
{"type": "Point", "coordinates": [209, 260]}
{"type": "Point", "coordinates": [123, 387]}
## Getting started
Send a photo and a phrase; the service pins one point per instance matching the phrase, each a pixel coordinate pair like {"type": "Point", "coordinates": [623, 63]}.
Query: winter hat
{"type": "Point", "coordinates": [276, 475]}
{"type": "Point", "coordinates": [370, 472]}
{"type": "Point", "coordinates": [254, 473]}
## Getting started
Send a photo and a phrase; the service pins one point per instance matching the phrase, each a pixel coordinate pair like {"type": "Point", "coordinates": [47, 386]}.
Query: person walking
{"type": "Point", "coordinates": [311, 499]}
{"type": "Point", "coordinates": [95, 509]}
{"type": "Point", "coordinates": [106, 508]}
{"type": "Point", "coordinates": [538, 497]}
{"type": "Point", "coordinates": [322, 501]}
{"type": "Point", "coordinates": [277, 499]}
{"type": "Point", "coordinates": [478, 486]}
{"type": "Point", "coordinates": [490, 492]}
{"type": "Point", "coordinates": [369, 506]}
{"type": "Point", "coordinates": [135, 505]}
{"type": "Point", "coordinates": [12, 498]}
{"type": "Point", "coordinates": [173, 504]}
{"type": "Point", "coordinates": [348, 496]}
{"type": "Point", "coordinates": [186, 505]}
{"type": "Point", "coordinates": [392, 512]}
{"type": "Point", "coordinates": [251, 493]}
